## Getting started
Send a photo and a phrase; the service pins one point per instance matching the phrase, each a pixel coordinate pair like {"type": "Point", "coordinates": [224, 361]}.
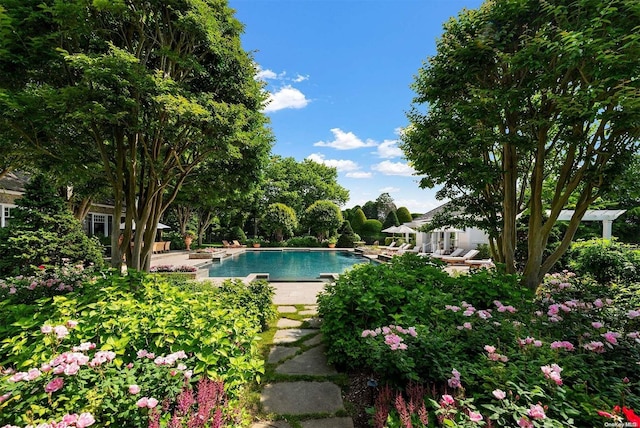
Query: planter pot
{"type": "Point", "coordinates": [256, 245]}
{"type": "Point", "coordinates": [187, 241]}
{"type": "Point", "coordinates": [331, 245]}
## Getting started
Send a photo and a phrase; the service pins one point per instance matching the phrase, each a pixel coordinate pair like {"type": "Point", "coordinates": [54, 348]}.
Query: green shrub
{"type": "Point", "coordinates": [347, 237]}
{"type": "Point", "coordinates": [214, 328]}
{"type": "Point", "coordinates": [303, 242]}
{"type": "Point", "coordinates": [605, 260]}
{"type": "Point", "coordinates": [44, 232]}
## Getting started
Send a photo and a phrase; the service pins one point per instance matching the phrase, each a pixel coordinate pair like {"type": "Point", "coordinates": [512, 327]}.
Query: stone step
{"type": "Point", "coordinates": [300, 398]}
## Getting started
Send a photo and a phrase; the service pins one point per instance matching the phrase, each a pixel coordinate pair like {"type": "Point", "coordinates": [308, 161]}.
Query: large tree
{"type": "Point", "coordinates": [300, 184]}
{"type": "Point", "coordinates": [152, 87]}
{"type": "Point", "coordinates": [522, 94]}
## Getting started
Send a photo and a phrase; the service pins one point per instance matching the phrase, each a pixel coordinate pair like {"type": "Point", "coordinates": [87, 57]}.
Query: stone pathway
{"type": "Point", "coordinates": [302, 401]}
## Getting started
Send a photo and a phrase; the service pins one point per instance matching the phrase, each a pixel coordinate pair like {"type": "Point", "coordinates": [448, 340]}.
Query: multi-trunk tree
{"type": "Point", "coordinates": [152, 88]}
{"type": "Point", "coordinates": [533, 107]}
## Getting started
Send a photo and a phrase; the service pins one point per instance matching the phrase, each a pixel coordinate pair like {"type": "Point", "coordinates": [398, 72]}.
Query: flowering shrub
{"type": "Point", "coordinates": [574, 349]}
{"type": "Point", "coordinates": [47, 281]}
{"type": "Point", "coordinates": [123, 316]}
{"type": "Point", "coordinates": [82, 385]}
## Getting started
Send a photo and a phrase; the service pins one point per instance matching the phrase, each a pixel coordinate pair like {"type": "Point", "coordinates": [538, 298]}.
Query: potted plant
{"type": "Point", "coordinates": [188, 238]}
{"type": "Point", "coordinates": [255, 242]}
{"type": "Point", "coordinates": [332, 241]}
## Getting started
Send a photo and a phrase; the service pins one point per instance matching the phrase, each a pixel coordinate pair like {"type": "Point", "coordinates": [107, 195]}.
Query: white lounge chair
{"type": "Point", "coordinates": [460, 260]}
{"type": "Point", "coordinates": [456, 253]}
{"type": "Point", "coordinates": [480, 264]}
{"type": "Point", "coordinates": [405, 248]}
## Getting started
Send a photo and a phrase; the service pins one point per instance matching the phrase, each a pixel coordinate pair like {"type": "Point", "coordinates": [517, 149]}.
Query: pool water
{"type": "Point", "coordinates": [286, 265]}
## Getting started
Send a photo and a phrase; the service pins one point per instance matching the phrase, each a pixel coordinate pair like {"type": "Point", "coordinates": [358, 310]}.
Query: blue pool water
{"type": "Point", "coordinates": [286, 265]}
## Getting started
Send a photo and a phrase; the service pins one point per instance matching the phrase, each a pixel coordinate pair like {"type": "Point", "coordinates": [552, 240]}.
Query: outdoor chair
{"type": "Point", "coordinates": [226, 244]}
{"type": "Point", "coordinates": [480, 264]}
{"type": "Point", "coordinates": [456, 253]}
{"type": "Point", "coordinates": [460, 260]}
{"type": "Point", "coordinates": [236, 244]}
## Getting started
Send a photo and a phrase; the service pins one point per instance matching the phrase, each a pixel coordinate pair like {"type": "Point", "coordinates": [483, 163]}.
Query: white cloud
{"type": "Point", "coordinates": [359, 174]}
{"type": "Point", "coordinates": [342, 165]}
{"type": "Point", "coordinates": [389, 189]}
{"type": "Point", "coordinates": [389, 149]}
{"type": "Point", "coordinates": [345, 141]}
{"type": "Point", "coordinates": [266, 74]}
{"type": "Point", "coordinates": [300, 78]}
{"type": "Point", "coordinates": [286, 97]}
{"type": "Point", "coordinates": [393, 168]}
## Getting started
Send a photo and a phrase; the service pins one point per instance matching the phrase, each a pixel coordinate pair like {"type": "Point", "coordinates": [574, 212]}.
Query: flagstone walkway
{"type": "Point", "coordinates": [308, 398]}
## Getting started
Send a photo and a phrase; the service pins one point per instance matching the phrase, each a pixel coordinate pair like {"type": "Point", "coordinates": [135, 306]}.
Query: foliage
{"type": "Point", "coordinates": [300, 184]}
{"type": "Point", "coordinates": [391, 220]}
{"type": "Point", "coordinates": [404, 216]}
{"type": "Point", "coordinates": [347, 237]}
{"type": "Point", "coordinates": [149, 104]}
{"type": "Point", "coordinates": [236, 233]}
{"type": "Point", "coordinates": [280, 221]}
{"type": "Point", "coordinates": [605, 260]}
{"type": "Point", "coordinates": [538, 118]}
{"type": "Point", "coordinates": [570, 349]}
{"type": "Point", "coordinates": [384, 205]}
{"type": "Point", "coordinates": [358, 221]}
{"type": "Point", "coordinates": [131, 320]}
{"type": "Point", "coordinates": [370, 230]}
{"type": "Point", "coordinates": [323, 218]}
{"type": "Point", "coordinates": [303, 241]}
{"type": "Point", "coordinates": [44, 232]}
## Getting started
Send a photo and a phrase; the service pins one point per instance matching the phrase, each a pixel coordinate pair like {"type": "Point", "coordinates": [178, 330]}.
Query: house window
{"type": "Point", "coordinates": [98, 224]}
{"type": "Point", "coordinates": [5, 215]}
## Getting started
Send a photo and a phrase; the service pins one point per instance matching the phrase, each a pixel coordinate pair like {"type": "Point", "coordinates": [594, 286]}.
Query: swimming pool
{"type": "Point", "coordinates": [286, 265]}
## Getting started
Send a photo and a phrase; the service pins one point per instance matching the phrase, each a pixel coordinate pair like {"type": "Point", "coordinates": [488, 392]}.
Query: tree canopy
{"type": "Point", "coordinates": [150, 88]}
{"type": "Point", "coordinates": [532, 107]}
{"type": "Point", "coordinates": [323, 218]}
{"type": "Point", "coordinates": [280, 221]}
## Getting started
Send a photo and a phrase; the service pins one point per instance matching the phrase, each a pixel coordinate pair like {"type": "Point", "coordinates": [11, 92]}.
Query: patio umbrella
{"type": "Point", "coordinates": [406, 230]}
{"type": "Point", "coordinates": [392, 229]}
{"type": "Point", "coordinates": [160, 226]}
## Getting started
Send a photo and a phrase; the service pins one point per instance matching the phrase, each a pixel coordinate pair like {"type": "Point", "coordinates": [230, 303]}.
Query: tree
{"type": "Point", "coordinates": [347, 238]}
{"type": "Point", "coordinates": [385, 205]}
{"type": "Point", "coordinates": [153, 88]}
{"type": "Point", "coordinates": [300, 184]}
{"type": "Point", "coordinates": [391, 220]}
{"type": "Point", "coordinates": [533, 107]}
{"type": "Point", "coordinates": [371, 230]}
{"type": "Point", "coordinates": [358, 220]}
{"type": "Point", "coordinates": [44, 232]}
{"type": "Point", "coordinates": [404, 216]}
{"type": "Point", "coordinates": [279, 220]}
{"type": "Point", "coordinates": [370, 210]}
{"type": "Point", "coordinates": [323, 218]}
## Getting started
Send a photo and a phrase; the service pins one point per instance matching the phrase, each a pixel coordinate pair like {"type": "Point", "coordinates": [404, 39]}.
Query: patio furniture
{"type": "Point", "coordinates": [460, 260]}
{"type": "Point", "coordinates": [480, 264]}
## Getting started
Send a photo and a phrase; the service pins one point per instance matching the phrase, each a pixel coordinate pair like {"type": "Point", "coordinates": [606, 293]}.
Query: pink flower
{"type": "Point", "coordinates": [452, 308]}
{"type": "Point", "coordinates": [611, 337]}
{"type": "Point", "coordinates": [61, 331]}
{"type": "Point", "coordinates": [4, 397]}
{"type": "Point", "coordinates": [71, 369]}
{"type": "Point", "coordinates": [55, 385]}
{"type": "Point", "coordinates": [72, 323]}
{"type": "Point", "coordinates": [85, 420]}
{"type": "Point", "coordinates": [134, 389]}
{"type": "Point", "coordinates": [142, 353]}
{"type": "Point", "coordinates": [475, 416]}
{"type": "Point", "coordinates": [536, 412]}
{"type": "Point", "coordinates": [46, 329]}
{"type": "Point", "coordinates": [152, 402]}
{"type": "Point", "coordinates": [490, 349]}
{"type": "Point", "coordinates": [598, 303]}
{"type": "Point", "coordinates": [525, 423]}
{"type": "Point", "coordinates": [633, 314]}
{"type": "Point", "coordinates": [142, 402]}
{"type": "Point", "coordinates": [447, 400]}
{"type": "Point", "coordinates": [594, 346]}
{"type": "Point", "coordinates": [454, 381]}
{"type": "Point", "coordinates": [499, 394]}
{"type": "Point", "coordinates": [597, 324]}
{"type": "Point", "coordinates": [467, 325]}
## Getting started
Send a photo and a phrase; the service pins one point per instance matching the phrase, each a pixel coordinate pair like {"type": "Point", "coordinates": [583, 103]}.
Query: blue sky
{"type": "Point", "coordinates": [339, 74]}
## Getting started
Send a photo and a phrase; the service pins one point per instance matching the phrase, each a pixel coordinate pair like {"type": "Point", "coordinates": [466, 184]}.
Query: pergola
{"type": "Point", "coordinates": [605, 216]}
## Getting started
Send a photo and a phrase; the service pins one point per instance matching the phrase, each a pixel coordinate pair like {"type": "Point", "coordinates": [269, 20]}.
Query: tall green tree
{"type": "Point", "coordinates": [521, 93]}
{"type": "Point", "coordinates": [358, 220]}
{"type": "Point", "coordinates": [323, 218]}
{"type": "Point", "coordinates": [384, 205]}
{"type": "Point", "coordinates": [300, 184]}
{"type": "Point", "coordinates": [280, 221]}
{"type": "Point", "coordinates": [153, 87]}
{"type": "Point", "coordinates": [391, 220]}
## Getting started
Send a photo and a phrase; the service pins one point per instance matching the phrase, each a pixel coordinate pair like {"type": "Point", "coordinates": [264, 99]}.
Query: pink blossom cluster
{"type": "Point", "coordinates": [536, 411]}
{"type": "Point", "coordinates": [170, 359]}
{"type": "Point", "coordinates": [82, 420]}
{"type": "Point", "coordinates": [499, 394]}
{"type": "Point", "coordinates": [452, 308]}
{"type": "Point", "coordinates": [60, 331]}
{"type": "Point", "coordinates": [632, 314]}
{"type": "Point", "coordinates": [493, 355]}
{"type": "Point", "coordinates": [172, 268]}
{"type": "Point", "coordinates": [530, 341]}
{"type": "Point", "coordinates": [552, 372]}
{"type": "Point", "coordinates": [558, 344]}
{"type": "Point", "coordinates": [148, 402]}
{"type": "Point", "coordinates": [634, 335]}
{"type": "Point", "coordinates": [465, 326]}
{"type": "Point", "coordinates": [594, 346]}
{"type": "Point", "coordinates": [391, 335]}
{"type": "Point", "coordinates": [454, 380]}
{"type": "Point", "coordinates": [611, 337]}
{"type": "Point", "coordinates": [503, 308]}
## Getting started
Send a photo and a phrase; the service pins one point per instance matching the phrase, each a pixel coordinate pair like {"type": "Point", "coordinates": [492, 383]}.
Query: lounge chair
{"type": "Point", "coordinates": [405, 248]}
{"type": "Point", "coordinates": [456, 253]}
{"type": "Point", "coordinates": [460, 260]}
{"type": "Point", "coordinates": [226, 244]}
{"type": "Point", "coordinates": [480, 264]}
{"type": "Point", "coordinates": [390, 246]}
{"type": "Point", "coordinates": [236, 244]}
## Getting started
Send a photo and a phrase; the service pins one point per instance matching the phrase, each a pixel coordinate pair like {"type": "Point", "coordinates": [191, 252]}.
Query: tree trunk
{"type": "Point", "coordinates": [509, 207]}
